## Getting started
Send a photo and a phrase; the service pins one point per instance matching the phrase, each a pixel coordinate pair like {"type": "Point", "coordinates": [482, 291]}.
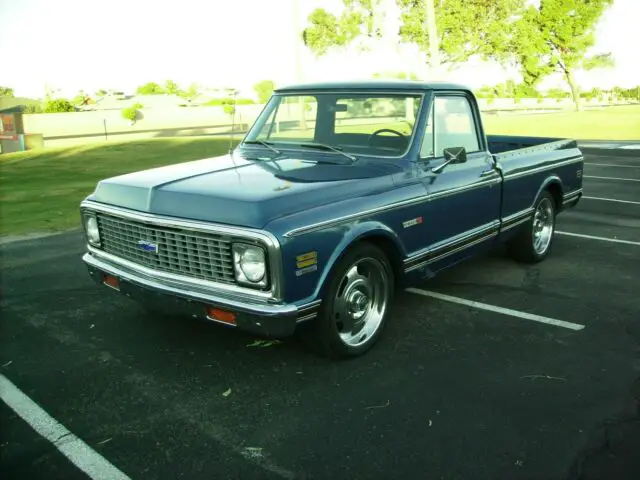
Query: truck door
{"type": "Point", "coordinates": [463, 211]}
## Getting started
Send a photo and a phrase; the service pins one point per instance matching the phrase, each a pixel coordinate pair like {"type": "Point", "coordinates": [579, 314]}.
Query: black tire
{"type": "Point", "coordinates": [533, 243]}
{"type": "Point", "coordinates": [323, 334]}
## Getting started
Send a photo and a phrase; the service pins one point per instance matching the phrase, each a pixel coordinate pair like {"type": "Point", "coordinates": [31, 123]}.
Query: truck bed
{"type": "Point", "coordinates": [501, 144]}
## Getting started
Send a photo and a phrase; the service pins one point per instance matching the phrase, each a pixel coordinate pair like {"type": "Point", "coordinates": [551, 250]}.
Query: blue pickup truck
{"type": "Point", "coordinates": [339, 194]}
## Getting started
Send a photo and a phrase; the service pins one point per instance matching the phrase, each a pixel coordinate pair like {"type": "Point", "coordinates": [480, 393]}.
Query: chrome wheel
{"type": "Point", "coordinates": [543, 226]}
{"type": "Point", "coordinates": [361, 301]}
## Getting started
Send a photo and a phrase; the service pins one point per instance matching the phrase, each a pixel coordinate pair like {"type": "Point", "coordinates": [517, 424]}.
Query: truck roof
{"type": "Point", "coordinates": [374, 85]}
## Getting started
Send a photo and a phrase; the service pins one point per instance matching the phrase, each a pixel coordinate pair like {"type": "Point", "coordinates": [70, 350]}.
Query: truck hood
{"type": "Point", "coordinates": [242, 191]}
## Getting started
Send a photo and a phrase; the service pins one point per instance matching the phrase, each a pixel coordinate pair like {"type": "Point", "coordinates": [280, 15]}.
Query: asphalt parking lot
{"type": "Point", "coordinates": [452, 391]}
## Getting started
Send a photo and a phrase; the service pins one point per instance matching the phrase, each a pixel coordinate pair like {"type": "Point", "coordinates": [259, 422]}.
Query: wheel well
{"type": "Point", "coordinates": [556, 192]}
{"type": "Point", "coordinates": [389, 248]}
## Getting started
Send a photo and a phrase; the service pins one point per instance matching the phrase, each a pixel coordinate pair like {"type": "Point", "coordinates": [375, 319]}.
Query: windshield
{"type": "Point", "coordinates": [352, 123]}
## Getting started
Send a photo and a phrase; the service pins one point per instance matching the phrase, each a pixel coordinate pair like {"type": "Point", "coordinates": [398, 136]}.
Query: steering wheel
{"type": "Point", "coordinates": [383, 130]}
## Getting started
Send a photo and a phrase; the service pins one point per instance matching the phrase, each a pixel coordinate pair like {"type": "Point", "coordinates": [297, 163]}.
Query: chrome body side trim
{"type": "Point", "coordinates": [451, 245]}
{"type": "Point", "coordinates": [308, 311]}
{"type": "Point", "coordinates": [404, 203]}
{"type": "Point", "coordinates": [570, 196]}
{"type": "Point", "coordinates": [266, 239]}
{"type": "Point", "coordinates": [513, 176]}
{"type": "Point", "coordinates": [517, 216]}
{"type": "Point", "coordinates": [515, 224]}
{"type": "Point", "coordinates": [451, 252]}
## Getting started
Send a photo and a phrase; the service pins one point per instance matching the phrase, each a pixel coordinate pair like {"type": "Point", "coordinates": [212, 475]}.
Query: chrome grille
{"type": "Point", "coordinates": [200, 255]}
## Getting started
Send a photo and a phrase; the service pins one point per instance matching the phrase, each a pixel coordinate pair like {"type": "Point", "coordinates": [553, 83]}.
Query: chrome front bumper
{"type": "Point", "coordinates": [260, 317]}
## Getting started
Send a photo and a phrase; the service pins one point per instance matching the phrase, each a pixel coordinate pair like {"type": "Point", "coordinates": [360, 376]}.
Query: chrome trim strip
{"type": "Point", "coordinates": [179, 289]}
{"type": "Point", "coordinates": [515, 224]}
{"type": "Point", "coordinates": [570, 196]}
{"type": "Point", "coordinates": [309, 306]}
{"type": "Point", "coordinates": [393, 206]}
{"type": "Point", "coordinates": [247, 234]}
{"type": "Point", "coordinates": [461, 239]}
{"type": "Point", "coordinates": [512, 176]}
{"type": "Point", "coordinates": [304, 318]}
{"type": "Point", "coordinates": [515, 216]}
{"type": "Point", "coordinates": [465, 188]}
{"type": "Point", "coordinates": [451, 252]}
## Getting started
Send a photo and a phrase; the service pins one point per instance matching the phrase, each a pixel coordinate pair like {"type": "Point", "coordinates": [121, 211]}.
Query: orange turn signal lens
{"type": "Point", "coordinates": [221, 315]}
{"type": "Point", "coordinates": [110, 281]}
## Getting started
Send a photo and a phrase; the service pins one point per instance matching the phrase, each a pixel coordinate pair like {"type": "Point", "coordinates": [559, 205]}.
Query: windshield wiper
{"type": "Point", "coordinates": [325, 146]}
{"type": "Point", "coordinates": [262, 142]}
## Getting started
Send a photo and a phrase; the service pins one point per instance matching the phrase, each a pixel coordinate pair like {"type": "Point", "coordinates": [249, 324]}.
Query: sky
{"type": "Point", "coordinates": [120, 44]}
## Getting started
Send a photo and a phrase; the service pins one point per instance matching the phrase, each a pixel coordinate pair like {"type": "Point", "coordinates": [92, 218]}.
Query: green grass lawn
{"type": "Point", "coordinates": [41, 190]}
{"type": "Point", "coordinates": [609, 123]}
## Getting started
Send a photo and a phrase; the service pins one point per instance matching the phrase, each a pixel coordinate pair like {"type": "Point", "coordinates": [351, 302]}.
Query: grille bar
{"type": "Point", "coordinates": [183, 252]}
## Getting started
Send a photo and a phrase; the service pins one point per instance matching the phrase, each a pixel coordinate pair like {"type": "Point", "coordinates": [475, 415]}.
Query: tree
{"type": "Point", "coordinates": [58, 105]}
{"type": "Point", "coordinates": [6, 91]}
{"type": "Point", "coordinates": [556, 36]}
{"type": "Point", "coordinates": [264, 89]}
{"type": "Point", "coordinates": [150, 88]}
{"type": "Point", "coordinates": [190, 93]}
{"type": "Point", "coordinates": [360, 19]}
{"type": "Point", "coordinates": [464, 28]}
{"type": "Point", "coordinates": [171, 87]}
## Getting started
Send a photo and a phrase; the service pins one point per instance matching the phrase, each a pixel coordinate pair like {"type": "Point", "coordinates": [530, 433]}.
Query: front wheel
{"type": "Point", "coordinates": [533, 243]}
{"type": "Point", "coordinates": [356, 305]}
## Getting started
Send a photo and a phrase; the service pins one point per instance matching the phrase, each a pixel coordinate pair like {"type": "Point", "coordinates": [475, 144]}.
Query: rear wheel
{"type": "Point", "coordinates": [356, 305]}
{"type": "Point", "coordinates": [533, 243]}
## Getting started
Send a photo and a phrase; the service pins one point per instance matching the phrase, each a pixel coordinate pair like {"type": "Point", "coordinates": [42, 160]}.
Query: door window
{"type": "Point", "coordinates": [451, 124]}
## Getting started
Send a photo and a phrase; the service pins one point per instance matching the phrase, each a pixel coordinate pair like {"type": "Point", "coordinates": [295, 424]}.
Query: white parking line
{"type": "Point", "coordinates": [78, 452]}
{"type": "Point", "coordinates": [630, 202]}
{"type": "Point", "coordinates": [614, 178]}
{"type": "Point", "coordinates": [603, 239]}
{"type": "Point", "coordinates": [612, 165]}
{"type": "Point", "coordinates": [494, 308]}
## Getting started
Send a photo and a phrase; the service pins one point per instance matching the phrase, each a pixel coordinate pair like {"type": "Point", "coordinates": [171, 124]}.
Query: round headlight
{"type": "Point", "coordinates": [252, 264]}
{"type": "Point", "coordinates": [93, 234]}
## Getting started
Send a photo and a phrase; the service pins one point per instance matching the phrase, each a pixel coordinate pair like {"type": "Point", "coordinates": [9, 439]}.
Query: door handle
{"type": "Point", "coordinates": [486, 173]}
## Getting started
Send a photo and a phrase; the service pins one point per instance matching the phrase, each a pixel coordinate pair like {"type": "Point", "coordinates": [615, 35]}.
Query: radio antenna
{"type": "Point", "coordinates": [233, 94]}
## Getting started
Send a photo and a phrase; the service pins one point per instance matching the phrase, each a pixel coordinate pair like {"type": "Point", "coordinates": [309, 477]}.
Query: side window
{"type": "Point", "coordinates": [454, 125]}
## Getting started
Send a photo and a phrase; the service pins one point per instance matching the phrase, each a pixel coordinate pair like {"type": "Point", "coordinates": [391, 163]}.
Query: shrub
{"type": "Point", "coordinates": [130, 113]}
{"type": "Point", "coordinates": [229, 109]}
{"type": "Point", "coordinates": [137, 106]}
{"type": "Point", "coordinates": [58, 105]}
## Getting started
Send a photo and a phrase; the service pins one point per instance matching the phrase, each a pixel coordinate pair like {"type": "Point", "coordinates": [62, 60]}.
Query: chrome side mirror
{"type": "Point", "coordinates": [451, 155]}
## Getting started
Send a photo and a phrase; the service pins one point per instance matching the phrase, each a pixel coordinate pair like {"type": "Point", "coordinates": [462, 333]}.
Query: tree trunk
{"type": "Point", "coordinates": [575, 91]}
{"type": "Point", "coordinates": [298, 58]}
{"type": "Point", "coordinates": [434, 44]}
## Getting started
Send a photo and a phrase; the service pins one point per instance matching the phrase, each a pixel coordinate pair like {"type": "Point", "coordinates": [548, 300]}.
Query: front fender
{"type": "Point", "coordinates": [359, 232]}
{"type": "Point", "coordinates": [331, 245]}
